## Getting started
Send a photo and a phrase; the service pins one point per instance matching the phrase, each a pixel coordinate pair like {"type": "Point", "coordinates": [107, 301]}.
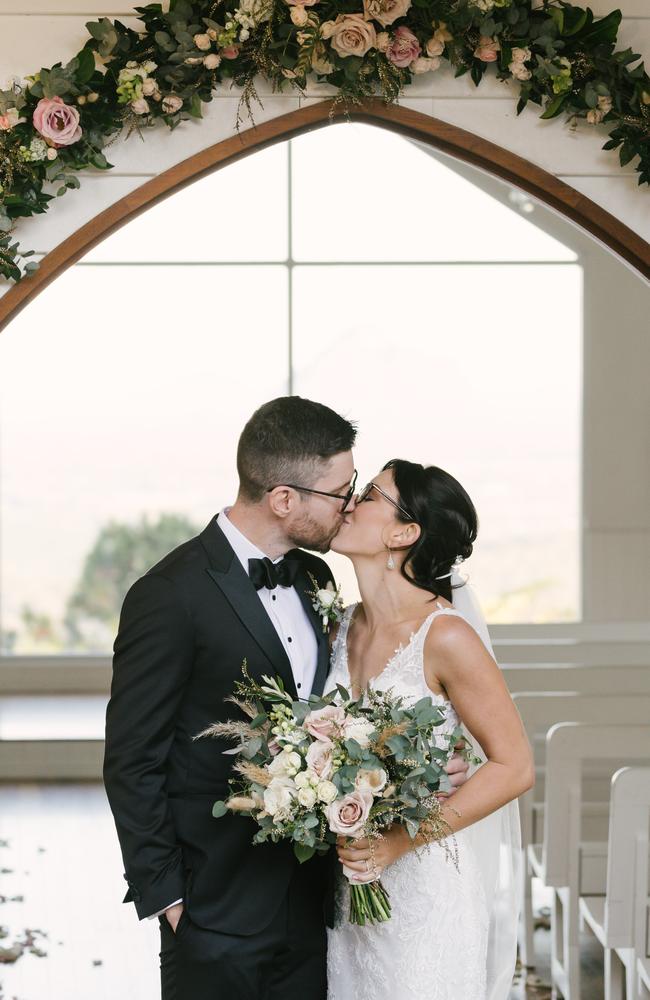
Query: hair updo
{"type": "Point", "coordinates": [447, 519]}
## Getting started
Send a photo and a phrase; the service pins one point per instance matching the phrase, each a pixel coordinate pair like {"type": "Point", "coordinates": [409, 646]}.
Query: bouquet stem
{"type": "Point", "coordinates": [369, 903]}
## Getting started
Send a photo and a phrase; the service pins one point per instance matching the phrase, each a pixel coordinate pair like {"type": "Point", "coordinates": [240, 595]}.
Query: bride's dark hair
{"type": "Point", "coordinates": [447, 519]}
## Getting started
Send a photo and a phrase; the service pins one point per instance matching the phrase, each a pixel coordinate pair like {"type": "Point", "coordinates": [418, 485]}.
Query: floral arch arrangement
{"type": "Point", "coordinates": [60, 120]}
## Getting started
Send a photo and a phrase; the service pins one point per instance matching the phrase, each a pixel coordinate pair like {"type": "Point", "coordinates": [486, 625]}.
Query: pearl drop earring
{"type": "Point", "coordinates": [391, 562]}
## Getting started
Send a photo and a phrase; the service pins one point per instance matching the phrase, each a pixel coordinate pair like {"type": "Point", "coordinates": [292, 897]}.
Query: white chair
{"type": "Point", "coordinates": [618, 918]}
{"type": "Point", "coordinates": [539, 711]}
{"type": "Point", "coordinates": [568, 864]}
{"type": "Point", "coordinates": [576, 677]}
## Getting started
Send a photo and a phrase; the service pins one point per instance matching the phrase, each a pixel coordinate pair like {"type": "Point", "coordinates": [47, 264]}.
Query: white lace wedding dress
{"type": "Point", "coordinates": [434, 945]}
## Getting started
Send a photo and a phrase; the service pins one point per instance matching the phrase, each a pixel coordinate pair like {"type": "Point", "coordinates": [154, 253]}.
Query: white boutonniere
{"type": "Point", "coordinates": [327, 601]}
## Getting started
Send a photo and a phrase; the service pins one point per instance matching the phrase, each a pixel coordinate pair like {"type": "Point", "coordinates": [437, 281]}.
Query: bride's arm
{"type": "Point", "coordinates": [457, 660]}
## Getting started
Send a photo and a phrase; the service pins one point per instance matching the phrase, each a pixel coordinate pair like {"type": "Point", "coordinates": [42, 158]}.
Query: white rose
{"type": "Point", "coordinates": [258, 10]}
{"type": "Point", "coordinates": [244, 35]}
{"type": "Point", "coordinates": [172, 103]}
{"type": "Point", "coordinates": [519, 71]}
{"type": "Point", "coordinates": [321, 65]}
{"type": "Point", "coordinates": [52, 154]}
{"type": "Point", "coordinates": [299, 16]}
{"type": "Point", "coordinates": [358, 729]}
{"type": "Point", "coordinates": [140, 106]}
{"type": "Point", "coordinates": [149, 66]}
{"type": "Point", "coordinates": [327, 791]}
{"type": "Point", "coordinates": [286, 763]}
{"type": "Point", "coordinates": [211, 33]}
{"type": "Point", "coordinates": [371, 781]}
{"type": "Point", "coordinates": [595, 116]}
{"type": "Point", "coordinates": [212, 61]}
{"type": "Point", "coordinates": [424, 65]}
{"type": "Point", "coordinates": [202, 42]}
{"type": "Point", "coordinates": [278, 798]}
{"type": "Point", "coordinates": [435, 47]}
{"type": "Point", "coordinates": [149, 87]}
{"type": "Point", "coordinates": [521, 55]}
{"type": "Point", "coordinates": [307, 797]}
{"type": "Point", "coordinates": [302, 780]}
{"type": "Point", "coordinates": [326, 597]}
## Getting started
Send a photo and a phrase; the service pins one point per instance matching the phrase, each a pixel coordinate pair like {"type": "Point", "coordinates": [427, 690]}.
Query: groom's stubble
{"type": "Point", "coordinates": [315, 537]}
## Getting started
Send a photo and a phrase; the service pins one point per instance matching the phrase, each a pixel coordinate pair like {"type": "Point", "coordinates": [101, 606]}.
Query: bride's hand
{"type": "Point", "coordinates": [357, 854]}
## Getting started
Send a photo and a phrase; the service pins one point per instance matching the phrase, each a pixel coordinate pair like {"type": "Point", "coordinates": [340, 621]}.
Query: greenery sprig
{"type": "Point", "coordinates": [60, 120]}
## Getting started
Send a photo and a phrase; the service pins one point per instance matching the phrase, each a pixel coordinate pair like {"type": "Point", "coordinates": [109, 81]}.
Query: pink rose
{"type": "Point", "coordinates": [351, 35]}
{"type": "Point", "coordinates": [487, 49]}
{"type": "Point", "coordinates": [10, 119]}
{"type": "Point", "coordinates": [347, 816]}
{"type": "Point", "coordinates": [319, 759]}
{"type": "Point", "coordinates": [325, 723]}
{"type": "Point", "coordinates": [230, 52]}
{"type": "Point", "coordinates": [57, 122]}
{"type": "Point", "coordinates": [404, 47]}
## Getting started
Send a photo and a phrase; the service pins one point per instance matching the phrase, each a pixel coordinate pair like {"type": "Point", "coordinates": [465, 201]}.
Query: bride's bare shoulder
{"type": "Point", "coordinates": [450, 634]}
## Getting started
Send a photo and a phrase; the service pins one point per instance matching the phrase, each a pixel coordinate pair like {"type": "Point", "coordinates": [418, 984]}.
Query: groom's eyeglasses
{"type": "Point", "coordinates": [343, 497]}
{"type": "Point", "coordinates": [363, 495]}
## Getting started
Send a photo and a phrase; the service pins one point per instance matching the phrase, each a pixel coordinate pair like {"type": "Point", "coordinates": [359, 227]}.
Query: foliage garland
{"type": "Point", "coordinates": [59, 121]}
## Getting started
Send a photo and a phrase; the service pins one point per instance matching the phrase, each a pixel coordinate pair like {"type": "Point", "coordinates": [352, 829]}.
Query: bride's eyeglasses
{"type": "Point", "coordinates": [363, 495]}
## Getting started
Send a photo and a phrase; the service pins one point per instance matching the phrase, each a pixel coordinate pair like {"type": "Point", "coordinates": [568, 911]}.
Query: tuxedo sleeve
{"type": "Point", "coordinates": [153, 655]}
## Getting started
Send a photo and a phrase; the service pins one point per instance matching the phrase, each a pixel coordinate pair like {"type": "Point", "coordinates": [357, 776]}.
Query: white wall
{"type": "Point", "coordinates": [616, 460]}
{"type": "Point", "coordinates": [35, 33]}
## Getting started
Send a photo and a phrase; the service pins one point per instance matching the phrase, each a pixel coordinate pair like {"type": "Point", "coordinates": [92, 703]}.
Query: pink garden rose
{"type": "Point", "coordinates": [351, 35]}
{"type": "Point", "coordinates": [404, 47]}
{"type": "Point", "coordinates": [57, 122]}
{"type": "Point", "coordinates": [348, 815]}
{"type": "Point", "coordinates": [487, 49]}
{"type": "Point", "coordinates": [325, 723]}
{"type": "Point", "coordinates": [319, 759]}
{"type": "Point", "coordinates": [230, 52]}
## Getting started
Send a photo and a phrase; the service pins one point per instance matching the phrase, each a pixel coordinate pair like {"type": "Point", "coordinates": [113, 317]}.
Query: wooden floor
{"type": "Point", "coordinates": [61, 887]}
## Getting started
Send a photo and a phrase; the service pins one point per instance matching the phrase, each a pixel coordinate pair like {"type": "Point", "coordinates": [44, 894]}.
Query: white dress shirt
{"type": "Point", "coordinates": [290, 620]}
{"type": "Point", "coordinates": [284, 608]}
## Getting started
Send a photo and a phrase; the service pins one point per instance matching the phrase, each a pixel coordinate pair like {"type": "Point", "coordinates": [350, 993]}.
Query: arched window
{"type": "Point", "coordinates": [426, 300]}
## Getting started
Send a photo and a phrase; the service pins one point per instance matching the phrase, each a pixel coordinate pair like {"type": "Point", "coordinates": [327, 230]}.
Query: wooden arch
{"type": "Point", "coordinates": [448, 138]}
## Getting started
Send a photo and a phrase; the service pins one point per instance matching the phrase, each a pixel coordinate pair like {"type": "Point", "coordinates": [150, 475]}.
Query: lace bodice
{"type": "Point", "coordinates": [404, 672]}
{"type": "Point", "coordinates": [434, 946]}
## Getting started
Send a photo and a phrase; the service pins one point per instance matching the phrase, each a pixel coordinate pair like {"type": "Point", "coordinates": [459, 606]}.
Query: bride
{"type": "Point", "coordinates": [417, 631]}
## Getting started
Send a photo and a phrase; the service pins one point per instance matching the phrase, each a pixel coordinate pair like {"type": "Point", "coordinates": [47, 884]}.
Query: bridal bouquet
{"type": "Point", "coordinates": [308, 772]}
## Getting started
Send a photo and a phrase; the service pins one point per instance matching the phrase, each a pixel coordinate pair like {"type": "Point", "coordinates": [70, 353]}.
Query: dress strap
{"type": "Point", "coordinates": [340, 643]}
{"type": "Point", "coordinates": [423, 631]}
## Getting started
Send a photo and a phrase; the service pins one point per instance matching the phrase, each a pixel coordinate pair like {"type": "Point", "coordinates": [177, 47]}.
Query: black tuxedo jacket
{"type": "Point", "coordinates": [185, 628]}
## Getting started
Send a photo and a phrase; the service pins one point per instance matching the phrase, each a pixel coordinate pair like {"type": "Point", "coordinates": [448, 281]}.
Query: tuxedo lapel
{"type": "Point", "coordinates": [303, 585]}
{"type": "Point", "coordinates": [229, 575]}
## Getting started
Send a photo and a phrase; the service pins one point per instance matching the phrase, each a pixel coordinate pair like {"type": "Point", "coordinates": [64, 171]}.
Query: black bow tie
{"type": "Point", "coordinates": [264, 573]}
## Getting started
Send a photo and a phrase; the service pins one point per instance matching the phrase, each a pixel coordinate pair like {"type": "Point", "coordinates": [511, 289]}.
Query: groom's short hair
{"type": "Point", "coordinates": [288, 440]}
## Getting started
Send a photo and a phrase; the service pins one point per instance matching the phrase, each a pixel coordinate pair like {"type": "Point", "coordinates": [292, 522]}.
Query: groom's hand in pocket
{"type": "Point", "coordinates": [173, 915]}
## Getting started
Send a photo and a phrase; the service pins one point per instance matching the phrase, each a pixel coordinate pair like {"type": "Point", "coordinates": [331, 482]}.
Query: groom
{"type": "Point", "coordinates": [237, 922]}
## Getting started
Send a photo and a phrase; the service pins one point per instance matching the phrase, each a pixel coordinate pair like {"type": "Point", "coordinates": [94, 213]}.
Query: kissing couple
{"type": "Point", "coordinates": [244, 922]}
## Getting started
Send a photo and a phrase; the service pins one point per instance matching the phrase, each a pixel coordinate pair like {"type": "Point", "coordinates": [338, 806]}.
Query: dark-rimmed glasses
{"type": "Point", "coordinates": [363, 495]}
{"type": "Point", "coordinates": [343, 497]}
